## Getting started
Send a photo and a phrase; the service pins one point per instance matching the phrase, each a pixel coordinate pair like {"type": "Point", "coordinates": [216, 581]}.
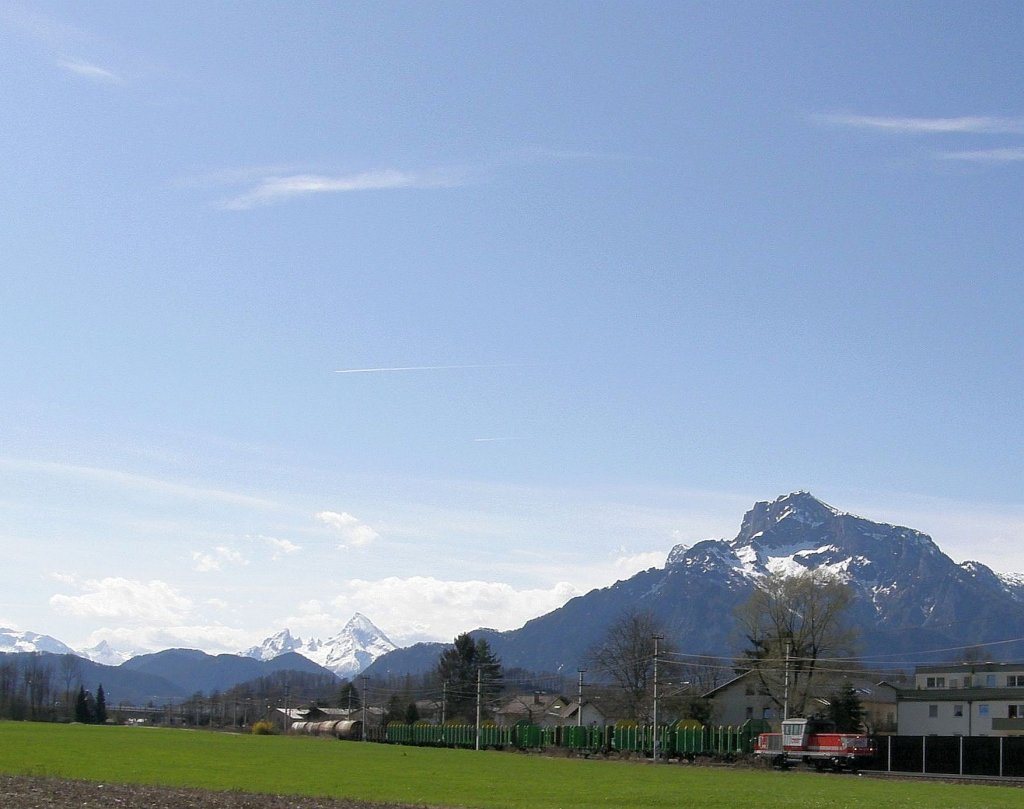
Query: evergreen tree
{"type": "Point", "coordinates": [82, 713]}
{"type": "Point", "coordinates": [459, 667]}
{"type": "Point", "coordinates": [846, 709]}
{"type": "Point", "coordinates": [348, 697]}
{"type": "Point", "coordinates": [101, 706]}
{"type": "Point", "coordinates": [412, 713]}
{"type": "Point", "coordinates": [395, 713]}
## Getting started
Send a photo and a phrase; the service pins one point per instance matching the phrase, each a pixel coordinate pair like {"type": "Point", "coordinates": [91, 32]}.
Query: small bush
{"type": "Point", "coordinates": [263, 729]}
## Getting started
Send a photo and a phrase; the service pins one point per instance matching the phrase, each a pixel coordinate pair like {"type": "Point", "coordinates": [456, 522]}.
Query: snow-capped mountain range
{"type": "Point", "coordinates": [912, 603]}
{"type": "Point", "coordinates": [347, 653]}
{"type": "Point", "coordinates": [11, 640]}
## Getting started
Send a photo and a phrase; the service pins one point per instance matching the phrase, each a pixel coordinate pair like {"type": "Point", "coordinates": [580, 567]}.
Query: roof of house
{"type": "Point", "coordinates": [533, 705]}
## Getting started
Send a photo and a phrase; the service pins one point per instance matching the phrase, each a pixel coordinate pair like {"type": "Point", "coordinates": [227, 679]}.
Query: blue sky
{"type": "Point", "coordinates": [445, 312]}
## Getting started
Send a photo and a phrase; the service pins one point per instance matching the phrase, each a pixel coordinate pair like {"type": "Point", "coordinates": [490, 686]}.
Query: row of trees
{"type": "Point", "coordinates": [48, 688]}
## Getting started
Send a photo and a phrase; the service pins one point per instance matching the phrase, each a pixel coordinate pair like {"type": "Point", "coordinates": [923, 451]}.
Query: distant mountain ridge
{"type": "Point", "coordinates": [911, 600]}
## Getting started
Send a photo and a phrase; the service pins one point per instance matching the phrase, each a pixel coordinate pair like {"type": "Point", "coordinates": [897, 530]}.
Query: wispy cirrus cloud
{"type": "Point", "coordinates": [133, 480]}
{"type": "Point", "coordinates": [1012, 154]}
{"type": "Point", "coordinates": [393, 369]}
{"type": "Point", "coordinates": [90, 71]}
{"type": "Point", "coordinates": [279, 188]}
{"type": "Point", "coordinates": [970, 124]}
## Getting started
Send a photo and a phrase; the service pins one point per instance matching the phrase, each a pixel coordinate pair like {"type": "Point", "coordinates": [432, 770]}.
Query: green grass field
{"type": "Point", "coordinates": [373, 772]}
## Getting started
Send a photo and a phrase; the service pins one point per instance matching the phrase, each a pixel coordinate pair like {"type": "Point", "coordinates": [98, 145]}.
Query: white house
{"type": "Point", "coordinates": [963, 699]}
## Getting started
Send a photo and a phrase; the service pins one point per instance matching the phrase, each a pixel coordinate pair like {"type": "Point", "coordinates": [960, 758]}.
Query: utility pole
{"type": "Point", "coordinates": [362, 700]}
{"type": "Point", "coordinates": [579, 701]}
{"type": "Point", "coordinates": [655, 744]}
{"type": "Point", "coordinates": [785, 700]}
{"type": "Point", "coordinates": [479, 698]}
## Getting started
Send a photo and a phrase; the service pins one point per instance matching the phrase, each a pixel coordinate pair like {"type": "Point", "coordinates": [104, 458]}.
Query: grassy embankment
{"type": "Point", "coordinates": [423, 776]}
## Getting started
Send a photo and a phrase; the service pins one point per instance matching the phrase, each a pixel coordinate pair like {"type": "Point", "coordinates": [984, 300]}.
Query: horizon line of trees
{"type": "Point", "coordinates": [788, 624]}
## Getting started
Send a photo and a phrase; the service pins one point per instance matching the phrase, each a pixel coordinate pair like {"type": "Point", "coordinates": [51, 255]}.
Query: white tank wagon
{"type": "Point", "coordinates": [346, 729]}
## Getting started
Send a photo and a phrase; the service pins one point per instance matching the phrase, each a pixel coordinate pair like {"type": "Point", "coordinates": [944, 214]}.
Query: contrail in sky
{"type": "Point", "coordinates": [415, 368]}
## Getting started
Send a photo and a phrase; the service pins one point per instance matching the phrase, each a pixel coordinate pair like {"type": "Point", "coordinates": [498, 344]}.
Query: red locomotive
{"type": "Point", "coordinates": [814, 742]}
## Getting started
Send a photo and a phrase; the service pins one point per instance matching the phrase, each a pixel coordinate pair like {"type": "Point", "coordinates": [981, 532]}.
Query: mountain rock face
{"type": "Point", "coordinates": [912, 603]}
{"type": "Point", "coordinates": [346, 654]}
{"type": "Point", "coordinates": [13, 641]}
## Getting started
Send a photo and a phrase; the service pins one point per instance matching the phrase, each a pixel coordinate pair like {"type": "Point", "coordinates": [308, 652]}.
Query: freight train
{"type": "Point", "coordinates": [685, 739]}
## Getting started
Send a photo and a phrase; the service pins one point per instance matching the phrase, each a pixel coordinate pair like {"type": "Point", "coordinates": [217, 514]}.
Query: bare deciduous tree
{"type": "Point", "coordinates": [625, 657]}
{"type": "Point", "coordinates": [790, 623]}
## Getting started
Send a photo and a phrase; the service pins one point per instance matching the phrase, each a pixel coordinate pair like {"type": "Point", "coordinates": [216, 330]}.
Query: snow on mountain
{"type": "Point", "coordinates": [798, 532]}
{"type": "Point", "coordinates": [11, 640]}
{"type": "Point", "coordinates": [106, 655]}
{"type": "Point", "coordinates": [347, 653]}
{"type": "Point", "coordinates": [1013, 583]}
{"type": "Point", "coordinates": [274, 646]}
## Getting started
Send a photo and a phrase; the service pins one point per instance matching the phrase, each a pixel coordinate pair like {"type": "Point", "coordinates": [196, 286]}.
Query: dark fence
{"type": "Point", "coordinates": [950, 755]}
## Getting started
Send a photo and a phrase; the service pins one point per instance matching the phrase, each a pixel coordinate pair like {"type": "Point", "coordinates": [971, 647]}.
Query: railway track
{"type": "Point", "coordinates": [949, 778]}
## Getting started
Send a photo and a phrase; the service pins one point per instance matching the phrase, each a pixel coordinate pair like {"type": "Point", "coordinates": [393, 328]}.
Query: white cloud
{"type": "Point", "coordinates": [274, 189]}
{"type": "Point", "coordinates": [281, 547]}
{"type": "Point", "coordinates": [125, 599]}
{"type": "Point", "coordinates": [1006, 155]}
{"type": "Point", "coordinates": [89, 71]}
{"type": "Point", "coordinates": [212, 639]}
{"type": "Point", "coordinates": [910, 125]}
{"type": "Point", "coordinates": [423, 608]}
{"type": "Point", "coordinates": [631, 564]}
{"type": "Point", "coordinates": [353, 531]}
{"type": "Point", "coordinates": [215, 560]}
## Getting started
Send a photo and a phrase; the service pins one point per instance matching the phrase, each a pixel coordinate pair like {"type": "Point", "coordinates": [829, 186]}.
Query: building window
{"type": "Point", "coordinates": [1015, 681]}
{"type": "Point", "coordinates": [750, 689]}
{"type": "Point", "coordinates": [935, 682]}
{"type": "Point", "coordinates": [1015, 711]}
{"type": "Point", "coordinates": [983, 709]}
{"type": "Point", "coordinates": [990, 681]}
{"type": "Point", "coordinates": [933, 711]}
{"type": "Point", "coordinates": [958, 710]}
{"type": "Point", "coordinates": [750, 712]}
{"type": "Point", "coordinates": [967, 682]}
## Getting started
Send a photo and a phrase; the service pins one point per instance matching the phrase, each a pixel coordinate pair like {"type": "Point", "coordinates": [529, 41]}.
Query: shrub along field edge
{"type": "Point", "coordinates": [426, 776]}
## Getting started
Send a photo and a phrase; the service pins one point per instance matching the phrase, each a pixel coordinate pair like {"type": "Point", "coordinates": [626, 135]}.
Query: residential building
{"type": "Point", "coordinates": [546, 710]}
{"type": "Point", "coordinates": [743, 698]}
{"type": "Point", "coordinates": [964, 699]}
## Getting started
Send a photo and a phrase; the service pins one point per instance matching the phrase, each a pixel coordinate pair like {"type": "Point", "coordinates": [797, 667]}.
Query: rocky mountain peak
{"type": "Point", "coordinates": [347, 653]}
{"type": "Point", "coordinates": [799, 510]}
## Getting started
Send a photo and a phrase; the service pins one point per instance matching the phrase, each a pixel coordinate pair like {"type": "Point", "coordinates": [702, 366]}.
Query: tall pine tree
{"type": "Point", "coordinates": [458, 669]}
{"type": "Point", "coordinates": [101, 706]}
{"type": "Point", "coordinates": [846, 709]}
{"type": "Point", "coordinates": [82, 713]}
